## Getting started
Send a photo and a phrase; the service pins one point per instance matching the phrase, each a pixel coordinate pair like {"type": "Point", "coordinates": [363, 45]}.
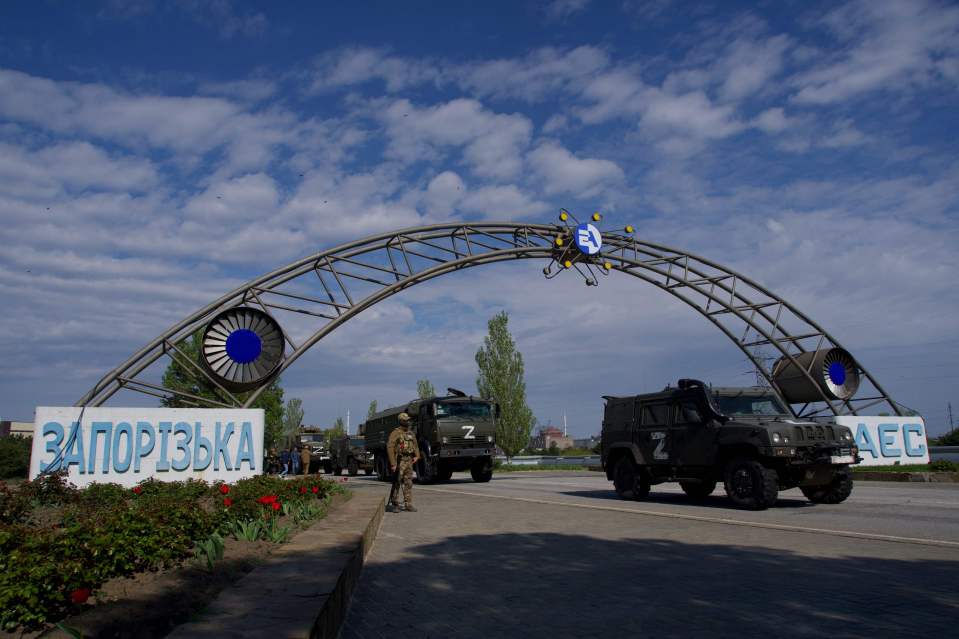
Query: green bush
{"type": "Point", "coordinates": [107, 530]}
{"type": "Point", "coordinates": [944, 466]}
{"type": "Point", "coordinates": [15, 457]}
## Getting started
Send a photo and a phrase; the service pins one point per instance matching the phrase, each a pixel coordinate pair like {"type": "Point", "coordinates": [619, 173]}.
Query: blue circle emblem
{"type": "Point", "coordinates": [837, 373]}
{"type": "Point", "coordinates": [588, 239]}
{"type": "Point", "coordinates": [243, 346]}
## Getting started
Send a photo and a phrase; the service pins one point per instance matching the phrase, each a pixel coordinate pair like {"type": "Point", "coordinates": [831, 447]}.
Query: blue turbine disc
{"type": "Point", "coordinates": [837, 373]}
{"type": "Point", "coordinates": [242, 348]}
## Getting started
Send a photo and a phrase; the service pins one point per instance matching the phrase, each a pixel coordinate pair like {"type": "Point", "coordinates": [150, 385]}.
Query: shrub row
{"type": "Point", "coordinates": [59, 544]}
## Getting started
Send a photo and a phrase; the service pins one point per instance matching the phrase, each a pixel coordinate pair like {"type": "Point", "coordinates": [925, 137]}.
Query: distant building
{"type": "Point", "coordinates": [587, 442]}
{"type": "Point", "coordinates": [549, 435]}
{"type": "Point", "coordinates": [16, 429]}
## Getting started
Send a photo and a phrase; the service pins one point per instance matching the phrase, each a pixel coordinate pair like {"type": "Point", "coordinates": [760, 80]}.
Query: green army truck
{"type": "Point", "coordinates": [350, 453]}
{"type": "Point", "coordinates": [744, 437]}
{"type": "Point", "coordinates": [454, 433]}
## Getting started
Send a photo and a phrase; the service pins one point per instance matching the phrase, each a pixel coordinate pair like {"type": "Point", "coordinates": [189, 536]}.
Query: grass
{"type": "Point", "coordinates": [515, 468]}
{"type": "Point", "coordinates": [903, 468]}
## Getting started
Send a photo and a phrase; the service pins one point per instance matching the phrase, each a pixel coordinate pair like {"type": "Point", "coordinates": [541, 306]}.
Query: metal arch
{"type": "Point", "coordinates": [337, 284]}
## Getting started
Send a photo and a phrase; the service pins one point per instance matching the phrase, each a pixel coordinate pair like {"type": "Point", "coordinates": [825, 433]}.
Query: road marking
{"type": "Point", "coordinates": [715, 520]}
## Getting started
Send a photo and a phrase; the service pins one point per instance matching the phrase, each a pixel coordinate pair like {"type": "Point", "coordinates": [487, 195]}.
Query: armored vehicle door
{"type": "Point", "coordinates": [654, 433]}
{"type": "Point", "coordinates": [692, 434]}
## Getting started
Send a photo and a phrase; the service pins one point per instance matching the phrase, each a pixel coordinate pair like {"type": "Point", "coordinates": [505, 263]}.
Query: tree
{"type": "Point", "coordinates": [371, 410]}
{"type": "Point", "coordinates": [336, 431]}
{"type": "Point", "coordinates": [424, 389]}
{"type": "Point", "coordinates": [292, 418]}
{"type": "Point", "coordinates": [185, 378]}
{"type": "Point", "coordinates": [501, 380]}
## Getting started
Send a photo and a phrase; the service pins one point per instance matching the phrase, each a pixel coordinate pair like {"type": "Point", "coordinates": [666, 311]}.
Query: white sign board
{"type": "Point", "coordinates": [127, 445]}
{"type": "Point", "coordinates": [884, 441]}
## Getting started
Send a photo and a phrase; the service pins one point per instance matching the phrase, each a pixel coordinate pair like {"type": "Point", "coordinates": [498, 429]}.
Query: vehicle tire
{"type": "Point", "coordinates": [444, 474]}
{"type": "Point", "coordinates": [835, 492]}
{"type": "Point", "coordinates": [481, 473]}
{"type": "Point", "coordinates": [368, 471]}
{"type": "Point", "coordinates": [698, 490]}
{"type": "Point", "coordinates": [750, 485]}
{"type": "Point", "coordinates": [353, 468]}
{"type": "Point", "coordinates": [337, 470]}
{"type": "Point", "coordinates": [629, 481]}
{"type": "Point", "coordinates": [425, 471]}
{"type": "Point", "coordinates": [327, 468]}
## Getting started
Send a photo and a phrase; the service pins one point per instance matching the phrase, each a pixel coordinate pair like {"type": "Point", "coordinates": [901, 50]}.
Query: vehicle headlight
{"type": "Point", "coordinates": [446, 440]}
{"type": "Point", "coordinates": [777, 438]}
{"type": "Point", "coordinates": [847, 436]}
{"type": "Point", "coordinates": [489, 438]}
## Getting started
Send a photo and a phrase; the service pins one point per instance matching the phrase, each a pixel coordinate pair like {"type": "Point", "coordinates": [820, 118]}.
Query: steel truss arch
{"type": "Point", "coordinates": [333, 286]}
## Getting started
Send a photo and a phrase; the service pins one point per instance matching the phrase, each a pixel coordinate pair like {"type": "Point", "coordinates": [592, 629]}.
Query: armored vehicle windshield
{"type": "Point", "coordinates": [746, 404]}
{"type": "Point", "coordinates": [356, 442]}
{"type": "Point", "coordinates": [469, 410]}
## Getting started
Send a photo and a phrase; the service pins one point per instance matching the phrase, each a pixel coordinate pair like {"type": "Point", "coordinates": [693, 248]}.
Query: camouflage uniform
{"type": "Point", "coordinates": [403, 453]}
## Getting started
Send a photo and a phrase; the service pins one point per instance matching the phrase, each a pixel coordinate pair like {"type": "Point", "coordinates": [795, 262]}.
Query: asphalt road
{"type": "Point", "coordinates": [557, 554]}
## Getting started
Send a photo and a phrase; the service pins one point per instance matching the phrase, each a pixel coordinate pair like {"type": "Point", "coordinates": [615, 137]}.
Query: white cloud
{"type": "Point", "coordinates": [749, 65]}
{"type": "Point", "coordinates": [692, 114]}
{"type": "Point", "coordinates": [506, 202]}
{"type": "Point", "coordinates": [443, 193]}
{"type": "Point", "coordinates": [884, 46]}
{"type": "Point", "coordinates": [773, 120]}
{"type": "Point", "coordinates": [491, 143]}
{"type": "Point", "coordinates": [560, 9]}
{"type": "Point", "coordinates": [249, 197]}
{"type": "Point", "coordinates": [355, 66]}
{"type": "Point", "coordinates": [563, 172]}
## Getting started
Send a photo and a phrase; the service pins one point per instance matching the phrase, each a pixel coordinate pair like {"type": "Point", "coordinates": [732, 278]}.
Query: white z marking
{"type": "Point", "coordinates": [659, 453]}
{"type": "Point", "coordinates": [469, 432]}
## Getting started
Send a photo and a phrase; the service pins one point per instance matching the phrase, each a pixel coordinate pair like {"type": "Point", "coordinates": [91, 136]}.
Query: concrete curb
{"type": "Point", "coordinates": [303, 589]}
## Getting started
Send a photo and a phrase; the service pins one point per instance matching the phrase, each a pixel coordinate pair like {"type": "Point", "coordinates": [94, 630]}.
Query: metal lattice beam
{"type": "Point", "coordinates": [331, 287]}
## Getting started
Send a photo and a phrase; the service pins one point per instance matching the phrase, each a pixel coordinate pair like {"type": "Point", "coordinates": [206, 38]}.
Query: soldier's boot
{"type": "Point", "coordinates": [410, 508]}
{"type": "Point", "coordinates": [392, 508]}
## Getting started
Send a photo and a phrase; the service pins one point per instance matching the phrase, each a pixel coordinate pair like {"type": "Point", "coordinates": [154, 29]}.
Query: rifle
{"type": "Point", "coordinates": [396, 485]}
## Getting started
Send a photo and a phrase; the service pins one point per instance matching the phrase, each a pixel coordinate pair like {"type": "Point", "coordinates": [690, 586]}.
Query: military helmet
{"type": "Point", "coordinates": [404, 418]}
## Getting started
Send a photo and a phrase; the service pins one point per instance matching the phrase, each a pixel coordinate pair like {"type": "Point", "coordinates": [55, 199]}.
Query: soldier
{"type": "Point", "coordinates": [305, 459]}
{"type": "Point", "coordinates": [403, 453]}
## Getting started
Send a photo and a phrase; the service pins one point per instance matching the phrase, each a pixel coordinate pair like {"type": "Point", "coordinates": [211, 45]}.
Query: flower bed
{"type": "Point", "coordinates": [58, 544]}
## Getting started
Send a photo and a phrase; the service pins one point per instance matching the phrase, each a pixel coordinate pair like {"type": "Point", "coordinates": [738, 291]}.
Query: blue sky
{"type": "Point", "coordinates": [155, 154]}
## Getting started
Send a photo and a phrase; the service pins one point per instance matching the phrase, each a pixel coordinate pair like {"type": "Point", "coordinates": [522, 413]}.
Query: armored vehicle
{"type": "Point", "coordinates": [744, 437]}
{"type": "Point", "coordinates": [454, 433]}
{"type": "Point", "coordinates": [351, 454]}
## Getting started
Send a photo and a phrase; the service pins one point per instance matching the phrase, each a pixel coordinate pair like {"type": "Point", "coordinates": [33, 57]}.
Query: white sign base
{"type": "Point", "coordinates": [884, 441]}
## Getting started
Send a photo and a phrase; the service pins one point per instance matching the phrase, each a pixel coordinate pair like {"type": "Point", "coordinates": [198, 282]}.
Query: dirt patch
{"type": "Point", "coordinates": [149, 605]}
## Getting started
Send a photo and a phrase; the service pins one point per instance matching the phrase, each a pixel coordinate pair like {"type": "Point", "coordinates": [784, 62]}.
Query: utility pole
{"type": "Point", "coordinates": [564, 424]}
{"type": "Point", "coordinates": [952, 424]}
{"type": "Point", "coordinates": [347, 421]}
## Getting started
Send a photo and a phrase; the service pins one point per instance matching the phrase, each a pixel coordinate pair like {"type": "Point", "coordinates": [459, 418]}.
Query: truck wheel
{"type": "Point", "coordinates": [835, 492]}
{"type": "Point", "coordinates": [353, 468]}
{"type": "Point", "coordinates": [444, 474]}
{"type": "Point", "coordinates": [481, 472]}
{"type": "Point", "coordinates": [368, 471]}
{"type": "Point", "coordinates": [630, 482]}
{"type": "Point", "coordinates": [327, 468]}
{"type": "Point", "coordinates": [698, 490]}
{"type": "Point", "coordinates": [425, 471]}
{"type": "Point", "coordinates": [750, 485]}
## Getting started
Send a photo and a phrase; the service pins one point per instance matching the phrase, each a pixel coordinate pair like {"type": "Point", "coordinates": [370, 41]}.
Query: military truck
{"type": "Point", "coordinates": [744, 437]}
{"type": "Point", "coordinates": [315, 440]}
{"type": "Point", "coordinates": [350, 453]}
{"type": "Point", "coordinates": [454, 433]}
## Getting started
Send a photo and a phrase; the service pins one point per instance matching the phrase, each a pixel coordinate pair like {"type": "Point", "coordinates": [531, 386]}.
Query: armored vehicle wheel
{"type": "Point", "coordinates": [426, 471]}
{"type": "Point", "coordinates": [445, 475]}
{"type": "Point", "coordinates": [353, 468]}
{"type": "Point", "coordinates": [337, 470]}
{"type": "Point", "coordinates": [629, 482]}
{"type": "Point", "coordinates": [698, 490]}
{"type": "Point", "coordinates": [481, 472]}
{"type": "Point", "coordinates": [835, 492]}
{"type": "Point", "coordinates": [750, 485]}
{"type": "Point", "coordinates": [368, 471]}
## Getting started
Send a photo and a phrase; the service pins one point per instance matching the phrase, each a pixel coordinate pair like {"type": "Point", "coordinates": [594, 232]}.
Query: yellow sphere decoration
{"type": "Point", "coordinates": [629, 228]}
{"type": "Point", "coordinates": [567, 264]}
{"type": "Point", "coordinates": [607, 266]}
{"type": "Point", "coordinates": [563, 216]}
{"type": "Point", "coordinates": [559, 241]}
{"type": "Point", "coordinates": [597, 217]}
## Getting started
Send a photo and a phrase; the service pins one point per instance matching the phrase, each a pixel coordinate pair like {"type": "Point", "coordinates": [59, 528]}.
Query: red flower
{"type": "Point", "coordinates": [267, 499]}
{"type": "Point", "coordinates": [137, 490]}
{"type": "Point", "coordinates": [316, 489]}
{"type": "Point", "coordinates": [80, 595]}
{"type": "Point", "coordinates": [227, 502]}
{"type": "Point", "coordinates": [276, 505]}
{"type": "Point", "coordinates": [224, 489]}
{"type": "Point", "coordinates": [302, 490]}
